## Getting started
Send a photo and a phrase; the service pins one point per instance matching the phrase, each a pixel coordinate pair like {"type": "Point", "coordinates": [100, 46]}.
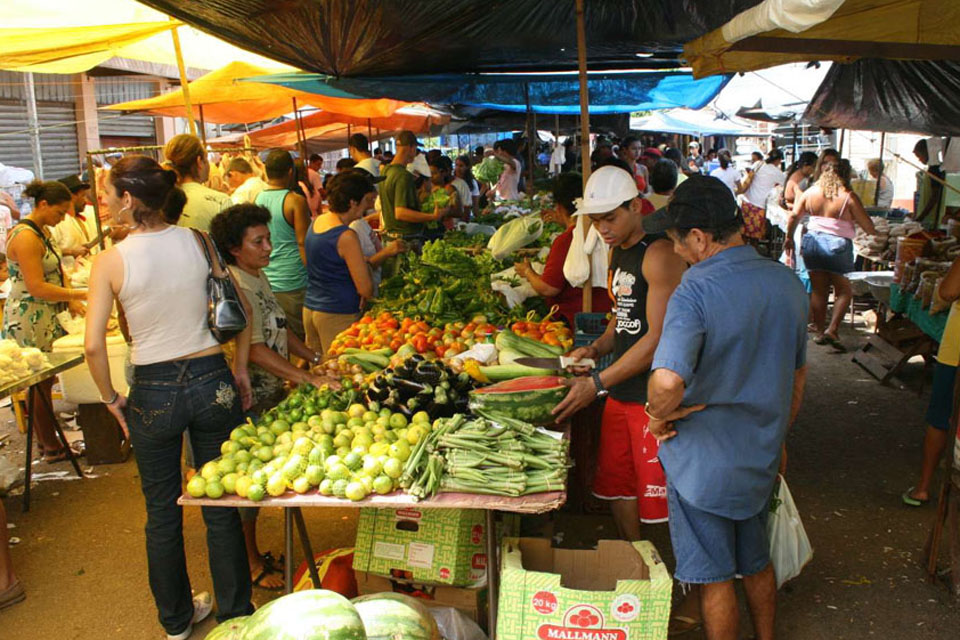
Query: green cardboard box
{"type": "Point", "coordinates": [439, 546]}
{"type": "Point", "coordinates": [618, 591]}
{"type": "Point", "coordinates": [471, 601]}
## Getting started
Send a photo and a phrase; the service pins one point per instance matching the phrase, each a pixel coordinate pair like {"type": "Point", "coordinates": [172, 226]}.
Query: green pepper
{"type": "Point", "coordinates": [438, 303]}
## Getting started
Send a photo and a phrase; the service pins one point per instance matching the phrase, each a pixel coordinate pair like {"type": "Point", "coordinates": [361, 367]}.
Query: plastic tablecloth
{"type": "Point", "coordinates": [932, 325]}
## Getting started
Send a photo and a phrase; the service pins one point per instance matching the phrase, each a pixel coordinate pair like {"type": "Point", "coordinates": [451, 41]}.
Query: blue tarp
{"type": "Point", "coordinates": [555, 93]}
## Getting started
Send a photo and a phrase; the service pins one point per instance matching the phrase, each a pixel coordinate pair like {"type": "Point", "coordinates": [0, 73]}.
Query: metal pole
{"type": "Point", "coordinates": [530, 134]}
{"type": "Point", "coordinates": [369, 135]}
{"type": "Point", "coordinates": [203, 128]}
{"type": "Point", "coordinates": [184, 83]}
{"type": "Point", "coordinates": [34, 122]}
{"type": "Point", "coordinates": [584, 136]}
{"type": "Point", "coordinates": [876, 193]}
{"type": "Point", "coordinates": [92, 171]}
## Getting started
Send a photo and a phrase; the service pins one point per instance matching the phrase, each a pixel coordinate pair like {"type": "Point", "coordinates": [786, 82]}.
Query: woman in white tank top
{"type": "Point", "coordinates": [158, 276]}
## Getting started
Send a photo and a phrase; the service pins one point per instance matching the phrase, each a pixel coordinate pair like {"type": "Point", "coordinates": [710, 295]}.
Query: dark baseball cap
{"type": "Point", "coordinates": [407, 139]}
{"type": "Point", "coordinates": [700, 202]}
{"type": "Point", "coordinates": [74, 183]}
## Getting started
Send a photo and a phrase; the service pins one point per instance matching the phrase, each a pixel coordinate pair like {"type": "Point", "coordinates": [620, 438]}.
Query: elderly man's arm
{"type": "Point", "coordinates": [799, 383]}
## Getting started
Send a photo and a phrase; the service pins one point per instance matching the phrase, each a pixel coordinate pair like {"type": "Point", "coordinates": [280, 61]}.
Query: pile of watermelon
{"type": "Point", "coordinates": [317, 613]}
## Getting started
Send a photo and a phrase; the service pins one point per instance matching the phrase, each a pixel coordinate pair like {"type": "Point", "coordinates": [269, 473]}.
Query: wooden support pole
{"type": "Point", "coordinates": [184, 82]}
{"type": "Point", "coordinates": [876, 192]}
{"type": "Point", "coordinates": [582, 226]}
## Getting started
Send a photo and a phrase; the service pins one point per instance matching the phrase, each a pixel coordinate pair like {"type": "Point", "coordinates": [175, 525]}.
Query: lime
{"type": "Point", "coordinates": [378, 430]}
{"type": "Point", "coordinates": [309, 409]}
{"type": "Point", "coordinates": [361, 442]}
{"type": "Point", "coordinates": [230, 483]}
{"type": "Point", "coordinates": [295, 415]}
{"type": "Point", "coordinates": [242, 456]}
{"type": "Point", "coordinates": [383, 421]}
{"type": "Point", "coordinates": [301, 485]}
{"type": "Point", "coordinates": [197, 487]}
{"type": "Point", "coordinates": [385, 413]}
{"type": "Point", "coordinates": [342, 451]}
{"type": "Point", "coordinates": [340, 488]}
{"type": "Point", "coordinates": [379, 448]}
{"type": "Point", "coordinates": [415, 433]}
{"type": "Point", "coordinates": [328, 426]}
{"type": "Point", "coordinates": [285, 438]}
{"type": "Point", "coordinates": [355, 491]}
{"type": "Point", "coordinates": [291, 470]}
{"type": "Point", "coordinates": [367, 483]}
{"type": "Point", "coordinates": [229, 446]}
{"type": "Point", "coordinates": [255, 464]}
{"type": "Point", "coordinates": [259, 477]}
{"type": "Point", "coordinates": [243, 485]}
{"type": "Point", "coordinates": [242, 468]}
{"type": "Point", "coordinates": [343, 439]}
{"type": "Point", "coordinates": [314, 422]}
{"type": "Point", "coordinates": [371, 466]}
{"type": "Point", "coordinates": [279, 426]}
{"type": "Point", "coordinates": [237, 433]}
{"type": "Point", "coordinates": [276, 485]}
{"type": "Point", "coordinates": [338, 472]}
{"type": "Point", "coordinates": [282, 449]}
{"type": "Point", "coordinates": [393, 468]}
{"type": "Point", "coordinates": [398, 421]}
{"type": "Point", "coordinates": [421, 417]}
{"type": "Point", "coordinates": [295, 400]}
{"type": "Point", "coordinates": [299, 427]}
{"type": "Point", "coordinates": [314, 474]}
{"type": "Point", "coordinates": [327, 414]}
{"type": "Point", "coordinates": [226, 465]}
{"type": "Point", "coordinates": [382, 485]}
{"type": "Point", "coordinates": [303, 446]}
{"type": "Point", "coordinates": [356, 410]}
{"type": "Point", "coordinates": [214, 489]}
{"type": "Point", "coordinates": [268, 438]}
{"type": "Point", "coordinates": [255, 492]}
{"type": "Point", "coordinates": [326, 487]}
{"type": "Point", "coordinates": [370, 416]}
{"type": "Point", "coordinates": [340, 417]}
{"type": "Point", "coordinates": [400, 450]}
{"type": "Point", "coordinates": [355, 422]}
{"type": "Point", "coordinates": [352, 461]}
{"type": "Point", "coordinates": [210, 470]}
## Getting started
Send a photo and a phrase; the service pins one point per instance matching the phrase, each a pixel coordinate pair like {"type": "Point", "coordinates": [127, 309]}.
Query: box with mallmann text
{"type": "Point", "coordinates": [441, 546]}
{"type": "Point", "coordinates": [618, 591]}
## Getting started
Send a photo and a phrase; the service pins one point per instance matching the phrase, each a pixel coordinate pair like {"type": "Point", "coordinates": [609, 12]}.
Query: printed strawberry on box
{"type": "Point", "coordinates": [438, 546]}
{"type": "Point", "coordinates": [618, 591]}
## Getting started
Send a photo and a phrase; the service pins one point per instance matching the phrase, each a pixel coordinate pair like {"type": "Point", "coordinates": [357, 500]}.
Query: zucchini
{"type": "Point", "coordinates": [381, 361]}
{"type": "Point", "coordinates": [500, 372]}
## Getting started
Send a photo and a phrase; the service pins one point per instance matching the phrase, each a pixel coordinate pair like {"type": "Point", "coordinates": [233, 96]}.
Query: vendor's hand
{"type": "Point", "coordinates": [579, 354]}
{"type": "Point", "coordinates": [117, 409]}
{"type": "Point", "coordinates": [789, 246]}
{"type": "Point", "coordinates": [77, 308]}
{"type": "Point", "coordinates": [441, 212]}
{"type": "Point", "coordinates": [583, 391]}
{"type": "Point", "coordinates": [242, 378]}
{"type": "Point", "coordinates": [396, 247]}
{"type": "Point", "coordinates": [663, 427]}
{"type": "Point", "coordinates": [523, 268]}
{"type": "Point", "coordinates": [76, 252]}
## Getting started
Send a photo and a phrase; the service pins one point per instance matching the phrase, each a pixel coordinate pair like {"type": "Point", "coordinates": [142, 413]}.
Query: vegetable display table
{"type": "Point", "coordinates": [907, 304]}
{"type": "Point", "coordinates": [58, 363]}
{"type": "Point", "coordinates": [292, 505]}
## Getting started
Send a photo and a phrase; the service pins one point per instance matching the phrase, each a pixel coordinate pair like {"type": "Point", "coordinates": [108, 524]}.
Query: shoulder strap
{"type": "Point", "coordinates": [204, 247]}
{"type": "Point", "coordinates": [844, 206]}
{"type": "Point", "coordinates": [46, 241]}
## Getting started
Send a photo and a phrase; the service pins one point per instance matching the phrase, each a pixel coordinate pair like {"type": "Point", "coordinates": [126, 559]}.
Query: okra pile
{"type": "Point", "coordinates": [492, 454]}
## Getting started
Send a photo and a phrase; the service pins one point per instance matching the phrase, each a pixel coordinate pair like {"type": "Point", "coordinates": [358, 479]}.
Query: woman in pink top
{"type": "Point", "coordinates": [827, 247]}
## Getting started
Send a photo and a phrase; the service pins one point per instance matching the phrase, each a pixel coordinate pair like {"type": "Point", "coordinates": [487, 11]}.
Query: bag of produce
{"type": "Point", "coordinates": [488, 170]}
{"type": "Point", "coordinates": [514, 235]}
{"type": "Point", "coordinates": [790, 547]}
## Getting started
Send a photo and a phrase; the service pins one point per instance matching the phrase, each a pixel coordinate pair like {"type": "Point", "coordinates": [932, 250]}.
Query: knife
{"type": "Point", "coordinates": [556, 364]}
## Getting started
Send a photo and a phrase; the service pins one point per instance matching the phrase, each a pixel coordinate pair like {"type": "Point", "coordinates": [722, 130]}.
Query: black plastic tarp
{"type": "Point", "coordinates": [890, 95]}
{"type": "Point", "coordinates": [397, 37]}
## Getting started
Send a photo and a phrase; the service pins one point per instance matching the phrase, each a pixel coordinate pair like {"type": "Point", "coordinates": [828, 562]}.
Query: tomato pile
{"type": "Point", "coordinates": [372, 332]}
{"type": "Point", "coordinates": [554, 333]}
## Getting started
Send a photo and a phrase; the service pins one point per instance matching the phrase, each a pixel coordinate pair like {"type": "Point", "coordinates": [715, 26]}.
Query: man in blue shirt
{"type": "Point", "coordinates": [727, 380]}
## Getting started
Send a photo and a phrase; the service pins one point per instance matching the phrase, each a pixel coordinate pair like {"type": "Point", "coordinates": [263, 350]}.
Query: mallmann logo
{"type": "Point", "coordinates": [553, 632]}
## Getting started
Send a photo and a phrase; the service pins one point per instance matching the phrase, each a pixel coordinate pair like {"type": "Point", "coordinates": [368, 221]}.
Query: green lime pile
{"type": "Point", "coordinates": [347, 454]}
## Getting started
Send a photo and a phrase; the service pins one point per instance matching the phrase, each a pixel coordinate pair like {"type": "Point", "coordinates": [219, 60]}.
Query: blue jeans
{"type": "Point", "coordinates": [165, 399]}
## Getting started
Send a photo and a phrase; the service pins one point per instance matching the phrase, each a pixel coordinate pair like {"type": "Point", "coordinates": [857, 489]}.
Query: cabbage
{"type": "Point", "coordinates": [488, 170]}
{"type": "Point", "coordinates": [437, 198]}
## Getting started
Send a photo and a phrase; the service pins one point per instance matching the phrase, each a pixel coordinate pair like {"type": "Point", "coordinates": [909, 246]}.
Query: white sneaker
{"type": "Point", "coordinates": [202, 606]}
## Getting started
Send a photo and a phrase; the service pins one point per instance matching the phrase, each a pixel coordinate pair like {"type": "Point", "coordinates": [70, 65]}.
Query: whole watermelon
{"type": "Point", "coordinates": [394, 616]}
{"type": "Point", "coordinates": [229, 630]}
{"type": "Point", "coordinates": [306, 615]}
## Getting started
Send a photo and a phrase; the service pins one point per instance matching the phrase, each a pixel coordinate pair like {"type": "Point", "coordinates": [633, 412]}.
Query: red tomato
{"type": "Point", "coordinates": [396, 344]}
{"type": "Point", "coordinates": [420, 343]}
{"type": "Point", "coordinates": [440, 350]}
{"type": "Point", "coordinates": [518, 327]}
{"type": "Point", "coordinates": [366, 320]}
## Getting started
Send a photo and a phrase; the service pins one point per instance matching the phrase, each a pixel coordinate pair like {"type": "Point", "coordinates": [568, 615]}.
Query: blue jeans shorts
{"type": "Point", "coordinates": [827, 252]}
{"type": "Point", "coordinates": [710, 548]}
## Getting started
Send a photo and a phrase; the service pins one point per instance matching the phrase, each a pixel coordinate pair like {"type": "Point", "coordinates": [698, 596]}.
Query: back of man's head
{"type": "Point", "coordinates": [239, 165]}
{"type": "Point", "coordinates": [663, 176]}
{"type": "Point", "coordinates": [279, 164]}
{"type": "Point", "coordinates": [359, 142]}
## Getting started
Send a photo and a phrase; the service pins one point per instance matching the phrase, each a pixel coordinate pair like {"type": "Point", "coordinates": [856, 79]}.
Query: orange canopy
{"type": "Point", "coordinates": [323, 124]}
{"type": "Point", "coordinates": [226, 100]}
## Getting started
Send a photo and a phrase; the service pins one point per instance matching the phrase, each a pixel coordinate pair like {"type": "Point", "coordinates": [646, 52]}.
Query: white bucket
{"type": "Point", "coordinates": [77, 383]}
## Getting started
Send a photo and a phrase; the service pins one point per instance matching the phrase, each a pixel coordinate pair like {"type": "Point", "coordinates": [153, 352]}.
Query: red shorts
{"type": "Point", "coordinates": [628, 466]}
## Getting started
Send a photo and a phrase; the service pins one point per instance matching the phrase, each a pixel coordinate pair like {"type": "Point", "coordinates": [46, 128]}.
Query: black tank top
{"type": "Point", "coordinates": [629, 292]}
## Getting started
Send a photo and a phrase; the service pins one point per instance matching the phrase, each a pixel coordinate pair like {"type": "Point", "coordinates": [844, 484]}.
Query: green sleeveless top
{"type": "Point", "coordinates": [286, 271]}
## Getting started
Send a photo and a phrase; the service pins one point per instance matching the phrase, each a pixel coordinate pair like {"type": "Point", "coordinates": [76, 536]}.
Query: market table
{"type": "Point", "coordinates": [292, 503]}
{"type": "Point", "coordinates": [59, 362]}
{"type": "Point", "coordinates": [912, 307]}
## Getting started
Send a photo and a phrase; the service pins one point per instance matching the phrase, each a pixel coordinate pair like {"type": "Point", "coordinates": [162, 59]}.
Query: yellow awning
{"type": "Point", "coordinates": [895, 29]}
{"type": "Point", "coordinates": [226, 100]}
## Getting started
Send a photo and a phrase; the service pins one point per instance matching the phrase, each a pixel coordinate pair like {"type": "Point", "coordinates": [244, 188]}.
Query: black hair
{"type": "Point", "coordinates": [433, 155]}
{"type": "Point", "coordinates": [442, 162]}
{"type": "Point", "coordinates": [674, 154]}
{"type": "Point", "coordinates": [359, 142]}
{"type": "Point", "coordinates": [470, 180]}
{"type": "Point", "coordinates": [279, 163]}
{"type": "Point", "coordinates": [614, 161]}
{"type": "Point", "coordinates": [509, 145]}
{"type": "Point", "coordinates": [724, 157]}
{"type": "Point", "coordinates": [240, 165]}
{"type": "Point", "coordinates": [315, 156]}
{"type": "Point", "coordinates": [51, 191]}
{"type": "Point", "coordinates": [347, 187]}
{"type": "Point", "coordinates": [479, 149]}
{"type": "Point", "coordinates": [756, 155]}
{"type": "Point", "coordinates": [921, 147]}
{"type": "Point", "coordinates": [629, 140]}
{"type": "Point", "coordinates": [663, 176]}
{"type": "Point", "coordinates": [805, 159]}
{"type": "Point", "coordinates": [774, 156]}
{"type": "Point", "coordinates": [346, 163]}
{"type": "Point", "coordinates": [155, 187]}
{"type": "Point", "coordinates": [567, 187]}
{"type": "Point", "coordinates": [721, 233]}
{"type": "Point", "coordinates": [228, 227]}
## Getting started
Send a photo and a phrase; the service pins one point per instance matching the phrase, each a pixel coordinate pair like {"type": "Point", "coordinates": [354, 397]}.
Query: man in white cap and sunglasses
{"type": "Point", "coordinates": [644, 271]}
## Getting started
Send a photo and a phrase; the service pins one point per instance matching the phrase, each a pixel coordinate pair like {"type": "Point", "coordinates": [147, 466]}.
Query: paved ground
{"type": "Point", "coordinates": [854, 450]}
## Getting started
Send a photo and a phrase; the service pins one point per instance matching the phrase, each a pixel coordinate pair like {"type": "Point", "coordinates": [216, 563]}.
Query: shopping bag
{"type": "Point", "coordinates": [514, 235]}
{"type": "Point", "coordinates": [790, 548]}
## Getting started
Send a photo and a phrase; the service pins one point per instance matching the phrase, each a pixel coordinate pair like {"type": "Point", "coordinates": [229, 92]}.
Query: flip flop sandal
{"type": "Point", "coordinates": [275, 564]}
{"type": "Point", "coordinates": [266, 571]}
{"type": "Point", "coordinates": [821, 339]}
{"type": "Point", "coordinates": [910, 501]}
{"type": "Point", "coordinates": [689, 625]}
{"type": "Point", "coordinates": [835, 343]}
{"type": "Point", "coordinates": [59, 455]}
{"type": "Point", "coordinates": [12, 595]}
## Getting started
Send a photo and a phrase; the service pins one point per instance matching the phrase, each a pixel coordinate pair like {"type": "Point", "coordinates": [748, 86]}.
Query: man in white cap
{"type": "Point", "coordinates": [644, 271]}
{"type": "Point", "coordinates": [693, 163]}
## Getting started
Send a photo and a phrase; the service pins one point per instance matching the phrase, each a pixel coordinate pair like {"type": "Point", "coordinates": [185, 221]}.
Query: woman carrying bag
{"type": "Point", "coordinates": [160, 275]}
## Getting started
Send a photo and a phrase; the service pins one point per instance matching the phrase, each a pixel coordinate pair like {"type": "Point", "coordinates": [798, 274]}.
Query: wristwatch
{"type": "Point", "coordinates": [602, 392]}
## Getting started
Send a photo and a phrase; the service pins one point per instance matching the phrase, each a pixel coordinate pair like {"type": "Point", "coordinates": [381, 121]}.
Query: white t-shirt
{"type": "Point", "coordinates": [247, 192]}
{"type": "Point", "coordinates": [765, 178]}
{"type": "Point", "coordinates": [371, 166]}
{"type": "Point", "coordinates": [368, 246]}
{"type": "Point", "coordinates": [70, 233]}
{"type": "Point", "coordinates": [466, 194]}
{"type": "Point", "coordinates": [508, 186]}
{"type": "Point", "coordinates": [885, 198]}
{"type": "Point", "coordinates": [728, 176]}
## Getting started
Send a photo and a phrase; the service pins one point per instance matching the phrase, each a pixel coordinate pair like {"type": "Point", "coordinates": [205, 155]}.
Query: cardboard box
{"type": "Point", "coordinates": [471, 601]}
{"type": "Point", "coordinates": [619, 591]}
{"type": "Point", "coordinates": [438, 546]}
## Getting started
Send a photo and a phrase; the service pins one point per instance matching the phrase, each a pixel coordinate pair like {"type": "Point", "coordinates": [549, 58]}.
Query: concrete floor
{"type": "Point", "coordinates": [853, 451]}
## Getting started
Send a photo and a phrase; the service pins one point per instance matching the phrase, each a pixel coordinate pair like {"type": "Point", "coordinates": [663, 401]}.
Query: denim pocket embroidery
{"type": "Point", "coordinates": [226, 395]}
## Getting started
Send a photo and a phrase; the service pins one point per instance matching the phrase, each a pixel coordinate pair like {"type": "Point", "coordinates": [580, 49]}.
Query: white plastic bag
{"type": "Point", "coordinates": [790, 548]}
{"type": "Point", "coordinates": [514, 235]}
{"type": "Point", "coordinates": [455, 625]}
{"type": "Point", "coordinates": [587, 257]}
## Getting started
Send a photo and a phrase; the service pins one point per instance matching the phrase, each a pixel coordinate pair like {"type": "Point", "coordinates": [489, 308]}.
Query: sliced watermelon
{"type": "Point", "coordinates": [530, 398]}
{"type": "Point", "coordinates": [394, 616]}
